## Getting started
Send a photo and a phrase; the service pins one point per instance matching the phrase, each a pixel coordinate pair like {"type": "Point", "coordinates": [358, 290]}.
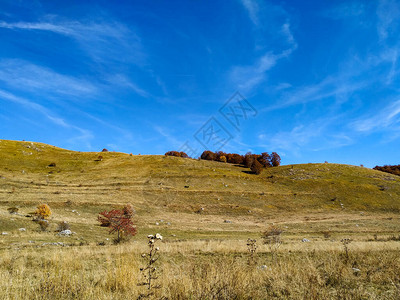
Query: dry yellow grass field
{"type": "Point", "coordinates": [206, 211]}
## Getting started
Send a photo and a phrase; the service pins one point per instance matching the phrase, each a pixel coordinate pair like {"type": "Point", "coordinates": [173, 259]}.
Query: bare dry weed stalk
{"type": "Point", "coordinates": [345, 243]}
{"type": "Point", "coordinates": [252, 248]}
{"type": "Point", "coordinates": [150, 271]}
{"type": "Point", "coordinates": [272, 238]}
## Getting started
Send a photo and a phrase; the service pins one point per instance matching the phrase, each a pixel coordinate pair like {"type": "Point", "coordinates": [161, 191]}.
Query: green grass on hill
{"type": "Point", "coordinates": [185, 195]}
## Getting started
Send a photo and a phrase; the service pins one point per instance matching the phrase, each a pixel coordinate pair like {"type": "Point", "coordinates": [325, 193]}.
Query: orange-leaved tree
{"type": "Point", "coordinates": [43, 211]}
{"type": "Point", "coordinates": [119, 221]}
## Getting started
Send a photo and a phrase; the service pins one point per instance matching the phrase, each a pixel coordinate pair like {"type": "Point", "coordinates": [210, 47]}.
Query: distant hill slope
{"type": "Point", "coordinates": [156, 184]}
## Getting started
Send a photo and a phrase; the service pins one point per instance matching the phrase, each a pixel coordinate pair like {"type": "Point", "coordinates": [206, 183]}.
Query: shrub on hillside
{"type": "Point", "coordinates": [234, 158]}
{"type": "Point", "coordinates": [43, 211]}
{"type": "Point", "coordinates": [395, 169]}
{"type": "Point", "coordinates": [272, 238]}
{"type": "Point", "coordinates": [222, 159]}
{"type": "Point", "coordinates": [104, 150]}
{"type": "Point", "coordinates": [44, 224]}
{"type": "Point", "coordinates": [63, 225]}
{"type": "Point", "coordinates": [177, 154]}
{"type": "Point", "coordinates": [256, 167]}
{"type": "Point", "coordinates": [265, 160]}
{"type": "Point", "coordinates": [13, 210]}
{"type": "Point", "coordinates": [119, 221]}
{"type": "Point", "coordinates": [275, 159]}
{"type": "Point", "coordinates": [208, 155]}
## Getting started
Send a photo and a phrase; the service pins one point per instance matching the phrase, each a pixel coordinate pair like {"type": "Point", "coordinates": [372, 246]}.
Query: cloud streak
{"type": "Point", "coordinates": [385, 119]}
{"type": "Point", "coordinates": [23, 75]}
{"type": "Point", "coordinates": [102, 41]}
{"type": "Point", "coordinates": [84, 134]}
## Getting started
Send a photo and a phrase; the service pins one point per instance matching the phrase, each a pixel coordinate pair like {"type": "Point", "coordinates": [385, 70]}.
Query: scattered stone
{"type": "Point", "coordinates": [227, 221]}
{"type": "Point", "coordinates": [263, 267]}
{"type": "Point", "coordinates": [55, 244]}
{"type": "Point", "coordinates": [305, 240]}
{"type": "Point", "coordinates": [168, 223]}
{"type": "Point", "coordinates": [65, 232]}
{"type": "Point", "coordinates": [31, 242]}
{"type": "Point", "coordinates": [4, 233]}
{"type": "Point", "coordinates": [22, 229]}
{"type": "Point", "coordinates": [356, 271]}
{"type": "Point", "coordinates": [157, 223]}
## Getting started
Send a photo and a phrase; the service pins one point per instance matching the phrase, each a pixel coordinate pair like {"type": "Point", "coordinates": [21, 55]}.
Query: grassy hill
{"type": "Point", "coordinates": [186, 195]}
{"type": "Point", "coordinates": [206, 211]}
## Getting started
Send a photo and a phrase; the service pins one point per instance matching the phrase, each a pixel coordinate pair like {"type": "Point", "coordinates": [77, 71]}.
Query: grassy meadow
{"type": "Point", "coordinates": [205, 211]}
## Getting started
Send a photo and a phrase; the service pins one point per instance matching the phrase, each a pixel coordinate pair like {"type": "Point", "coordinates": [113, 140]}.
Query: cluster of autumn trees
{"type": "Point", "coordinates": [256, 162]}
{"type": "Point", "coordinates": [389, 169]}
{"type": "Point", "coordinates": [253, 161]}
{"type": "Point", "coordinates": [177, 154]}
{"type": "Point", "coordinates": [265, 159]}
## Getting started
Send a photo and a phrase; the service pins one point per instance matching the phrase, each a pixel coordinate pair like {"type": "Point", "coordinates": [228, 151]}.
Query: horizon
{"type": "Point", "coordinates": [313, 82]}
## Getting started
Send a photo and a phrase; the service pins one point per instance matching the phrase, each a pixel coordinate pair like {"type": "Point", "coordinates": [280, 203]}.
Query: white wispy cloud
{"type": "Point", "coordinates": [247, 77]}
{"type": "Point", "coordinates": [387, 118]}
{"type": "Point", "coordinates": [168, 135]}
{"type": "Point", "coordinates": [252, 8]}
{"type": "Point", "coordinates": [337, 87]}
{"type": "Point", "coordinates": [271, 22]}
{"type": "Point", "coordinates": [84, 135]}
{"type": "Point", "coordinates": [313, 136]}
{"type": "Point", "coordinates": [348, 9]}
{"type": "Point", "coordinates": [23, 75]}
{"type": "Point", "coordinates": [123, 81]}
{"type": "Point", "coordinates": [102, 41]}
{"type": "Point", "coordinates": [388, 13]}
{"type": "Point", "coordinates": [289, 36]}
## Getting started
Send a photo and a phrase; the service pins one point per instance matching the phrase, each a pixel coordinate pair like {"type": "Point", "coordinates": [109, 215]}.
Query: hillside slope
{"type": "Point", "coordinates": [190, 194]}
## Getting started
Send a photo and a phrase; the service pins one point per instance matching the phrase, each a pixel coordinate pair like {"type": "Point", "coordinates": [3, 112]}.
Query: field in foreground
{"type": "Point", "coordinates": [205, 211]}
{"type": "Point", "coordinates": [204, 270]}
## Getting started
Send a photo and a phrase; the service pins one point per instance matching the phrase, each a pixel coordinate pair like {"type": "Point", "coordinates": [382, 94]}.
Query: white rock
{"type": "Point", "coordinates": [4, 233]}
{"type": "Point", "coordinates": [305, 240]}
{"type": "Point", "coordinates": [22, 229]}
{"type": "Point", "coordinates": [65, 232]}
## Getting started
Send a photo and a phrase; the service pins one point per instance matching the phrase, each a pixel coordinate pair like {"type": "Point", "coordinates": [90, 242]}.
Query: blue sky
{"type": "Point", "coordinates": [314, 81]}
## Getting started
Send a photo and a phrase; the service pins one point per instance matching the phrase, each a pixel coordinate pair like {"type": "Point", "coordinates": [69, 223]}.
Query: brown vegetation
{"type": "Point", "coordinates": [389, 169]}
{"type": "Point", "coordinates": [253, 161]}
{"type": "Point", "coordinates": [177, 154]}
{"type": "Point", "coordinates": [119, 221]}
